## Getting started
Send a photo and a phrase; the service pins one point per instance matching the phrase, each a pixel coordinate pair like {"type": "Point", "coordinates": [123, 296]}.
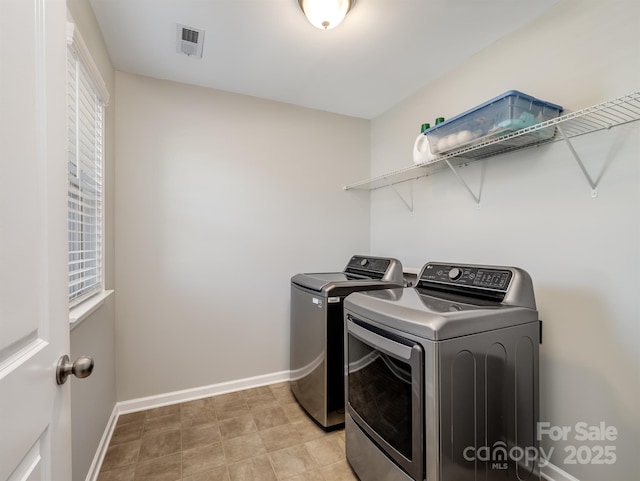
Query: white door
{"type": "Point", "coordinates": [35, 442]}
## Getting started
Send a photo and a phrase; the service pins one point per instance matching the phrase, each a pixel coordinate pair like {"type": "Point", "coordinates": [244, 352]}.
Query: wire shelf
{"type": "Point", "coordinates": [602, 116]}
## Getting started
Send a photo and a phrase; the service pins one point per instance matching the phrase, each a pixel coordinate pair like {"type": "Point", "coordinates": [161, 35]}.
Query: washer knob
{"type": "Point", "coordinates": [455, 273]}
{"type": "Point", "coordinates": [364, 262]}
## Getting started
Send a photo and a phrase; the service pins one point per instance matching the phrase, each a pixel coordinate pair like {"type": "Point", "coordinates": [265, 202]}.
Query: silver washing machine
{"type": "Point", "coordinates": [442, 379]}
{"type": "Point", "coordinates": [317, 331]}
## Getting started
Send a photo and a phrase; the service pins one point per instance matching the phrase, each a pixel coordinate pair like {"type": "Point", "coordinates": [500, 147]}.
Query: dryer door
{"type": "Point", "coordinates": [385, 394]}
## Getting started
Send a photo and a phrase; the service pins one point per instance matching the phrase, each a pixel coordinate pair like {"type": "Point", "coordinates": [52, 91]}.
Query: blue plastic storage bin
{"type": "Point", "coordinates": [502, 115]}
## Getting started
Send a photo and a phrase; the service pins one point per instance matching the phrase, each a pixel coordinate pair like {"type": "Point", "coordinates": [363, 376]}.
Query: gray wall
{"type": "Point", "coordinates": [221, 199]}
{"type": "Point", "coordinates": [537, 212]}
{"type": "Point", "coordinates": [93, 399]}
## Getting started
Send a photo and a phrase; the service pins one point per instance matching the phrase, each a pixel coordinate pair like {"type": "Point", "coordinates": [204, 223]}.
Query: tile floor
{"type": "Point", "coordinates": [259, 434]}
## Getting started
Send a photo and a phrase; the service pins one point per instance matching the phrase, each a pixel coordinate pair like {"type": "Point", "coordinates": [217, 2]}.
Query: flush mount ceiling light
{"type": "Point", "coordinates": [325, 14]}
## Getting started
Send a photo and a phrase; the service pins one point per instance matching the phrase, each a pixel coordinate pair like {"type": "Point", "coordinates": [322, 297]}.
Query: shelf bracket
{"type": "Point", "coordinates": [407, 205]}
{"type": "Point", "coordinates": [462, 181]}
{"type": "Point", "coordinates": [592, 183]}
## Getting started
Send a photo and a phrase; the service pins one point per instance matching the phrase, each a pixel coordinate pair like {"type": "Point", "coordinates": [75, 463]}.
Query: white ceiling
{"type": "Point", "coordinates": [384, 51]}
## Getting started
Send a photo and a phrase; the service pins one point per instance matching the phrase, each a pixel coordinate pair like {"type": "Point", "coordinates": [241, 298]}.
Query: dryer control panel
{"type": "Point", "coordinates": [505, 285]}
{"type": "Point", "coordinates": [471, 276]}
{"type": "Point", "coordinates": [509, 286]}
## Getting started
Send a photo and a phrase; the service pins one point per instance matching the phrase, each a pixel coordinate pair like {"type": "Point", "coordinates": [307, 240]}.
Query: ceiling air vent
{"type": "Point", "coordinates": [190, 41]}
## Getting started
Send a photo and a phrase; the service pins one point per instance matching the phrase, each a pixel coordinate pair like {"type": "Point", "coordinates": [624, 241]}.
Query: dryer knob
{"type": "Point", "coordinates": [455, 273]}
{"type": "Point", "coordinates": [364, 262]}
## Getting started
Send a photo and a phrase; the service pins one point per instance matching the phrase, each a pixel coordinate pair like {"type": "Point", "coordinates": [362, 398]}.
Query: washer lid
{"type": "Point", "coordinates": [360, 273]}
{"type": "Point", "coordinates": [339, 283]}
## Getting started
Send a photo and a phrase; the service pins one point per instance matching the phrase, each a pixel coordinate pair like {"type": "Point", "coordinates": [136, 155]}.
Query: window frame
{"type": "Point", "coordinates": [82, 69]}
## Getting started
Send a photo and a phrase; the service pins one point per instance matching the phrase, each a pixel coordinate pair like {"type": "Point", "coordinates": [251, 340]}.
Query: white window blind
{"type": "Point", "coordinates": [85, 131]}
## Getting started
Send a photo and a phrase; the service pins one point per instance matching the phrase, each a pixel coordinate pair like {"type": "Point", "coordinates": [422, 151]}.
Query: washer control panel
{"type": "Point", "coordinates": [386, 269]}
{"type": "Point", "coordinates": [467, 276]}
{"type": "Point", "coordinates": [371, 264]}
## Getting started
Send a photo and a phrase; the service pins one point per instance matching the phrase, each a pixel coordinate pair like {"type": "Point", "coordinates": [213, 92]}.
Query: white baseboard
{"type": "Point", "coordinates": [553, 473]}
{"type": "Point", "coordinates": [185, 395]}
{"type": "Point", "coordinates": [98, 458]}
{"type": "Point", "coordinates": [159, 400]}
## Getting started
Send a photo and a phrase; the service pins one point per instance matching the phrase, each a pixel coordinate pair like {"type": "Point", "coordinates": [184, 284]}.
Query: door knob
{"type": "Point", "coordinates": [82, 367]}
